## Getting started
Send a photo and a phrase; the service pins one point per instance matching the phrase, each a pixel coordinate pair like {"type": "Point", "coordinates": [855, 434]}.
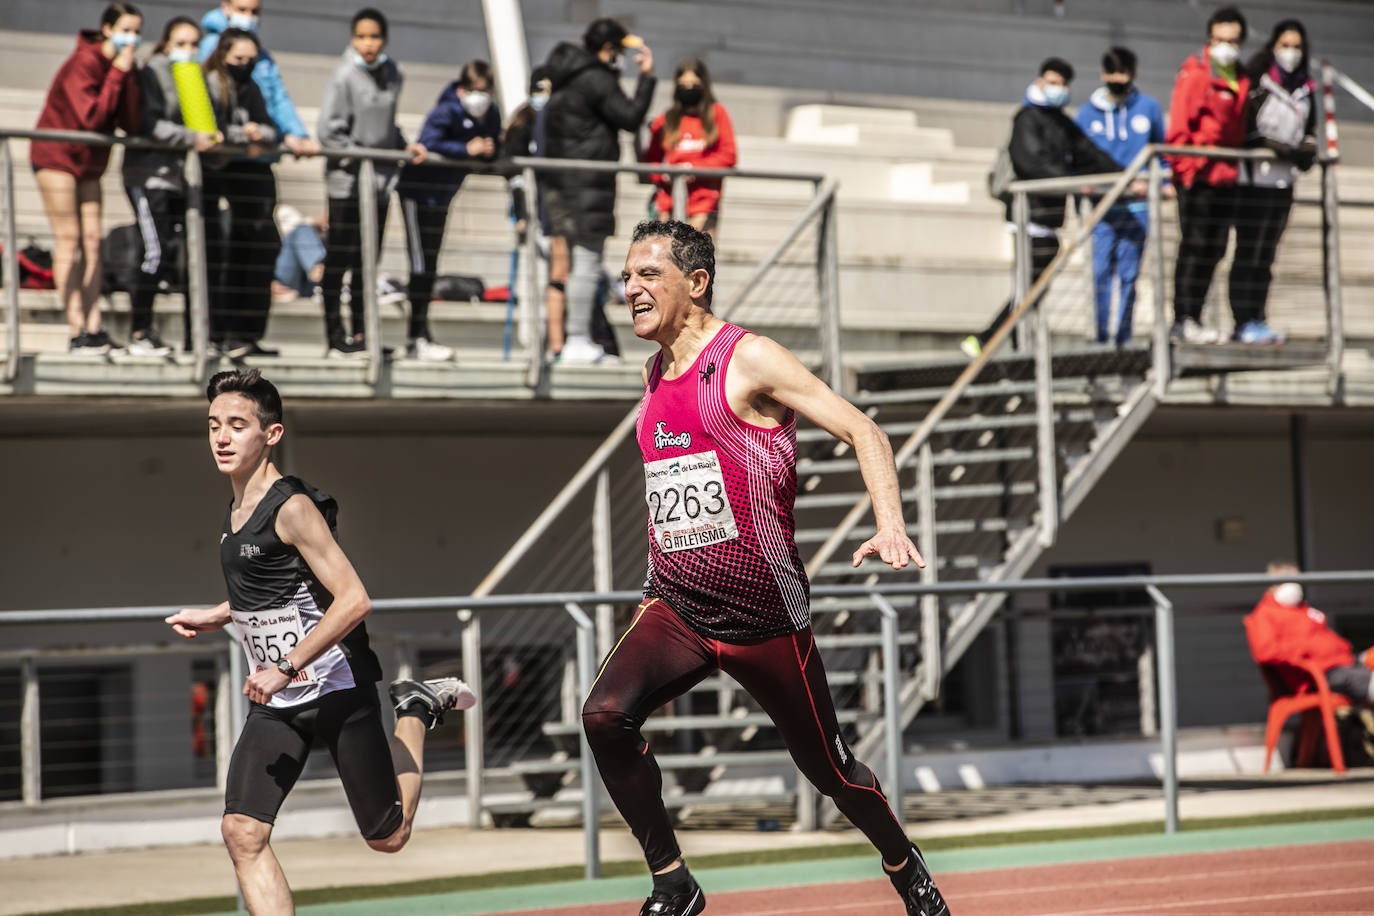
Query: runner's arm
{"type": "Point", "coordinates": [192, 621]}
{"type": "Point", "coordinates": [772, 370]}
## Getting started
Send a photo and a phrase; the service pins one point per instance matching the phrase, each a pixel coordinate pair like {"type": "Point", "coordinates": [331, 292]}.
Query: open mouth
{"type": "Point", "coordinates": [642, 308]}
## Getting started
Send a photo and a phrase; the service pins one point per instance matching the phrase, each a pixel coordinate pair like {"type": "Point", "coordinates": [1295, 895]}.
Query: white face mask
{"type": "Point", "coordinates": [358, 61]}
{"type": "Point", "coordinates": [181, 55]}
{"type": "Point", "coordinates": [1290, 59]}
{"type": "Point", "coordinates": [476, 104]}
{"type": "Point", "coordinates": [1225, 54]}
{"type": "Point", "coordinates": [1288, 594]}
{"type": "Point", "coordinates": [246, 21]}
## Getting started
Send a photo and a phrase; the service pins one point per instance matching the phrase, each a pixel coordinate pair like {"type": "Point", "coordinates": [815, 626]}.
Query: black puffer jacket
{"type": "Point", "coordinates": [582, 120]}
{"type": "Point", "coordinates": [1046, 143]}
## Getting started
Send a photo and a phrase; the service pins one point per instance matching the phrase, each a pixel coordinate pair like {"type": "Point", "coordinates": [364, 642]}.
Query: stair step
{"type": "Point", "coordinates": [963, 424]}
{"type": "Point", "coordinates": [665, 761]}
{"type": "Point", "coordinates": [693, 722]}
{"type": "Point", "coordinates": [966, 491]}
{"type": "Point", "coordinates": [954, 526]}
{"type": "Point", "coordinates": [808, 467]}
{"type": "Point", "coordinates": [989, 390]}
{"type": "Point", "coordinates": [845, 568]}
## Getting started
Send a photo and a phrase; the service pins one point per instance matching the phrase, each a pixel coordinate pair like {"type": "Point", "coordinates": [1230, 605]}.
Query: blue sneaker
{"type": "Point", "coordinates": [1257, 332]}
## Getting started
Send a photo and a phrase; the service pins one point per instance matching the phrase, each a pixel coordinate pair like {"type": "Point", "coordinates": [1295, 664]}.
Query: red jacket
{"type": "Point", "coordinates": [703, 194]}
{"type": "Point", "coordinates": [1206, 111]}
{"type": "Point", "coordinates": [88, 93]}
{"type": "Point", "coordinates": [1279, 633]}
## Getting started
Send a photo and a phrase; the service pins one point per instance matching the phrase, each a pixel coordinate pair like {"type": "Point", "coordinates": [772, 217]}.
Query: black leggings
{"type": "Point", "coordinates": [344, 252]}
{"type": "Point", "coordinates": [658, 659]}
{"type": "Point", "coordinates": [242, 245]}
{"type": "Point", "coordinates": [161, 216]}
{"type": "Point", "coordinates": [424, 237]}
{"type": "Point", "coordinates": [274, 745]}
{"type": "Point", "coordinates": [1261, 217]}
{"type": "Point", "coordinates": [1205, 217]}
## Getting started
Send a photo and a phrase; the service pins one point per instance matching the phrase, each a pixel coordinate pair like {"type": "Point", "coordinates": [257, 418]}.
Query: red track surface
{"type": "Point", "coordinates": [1327, 879]}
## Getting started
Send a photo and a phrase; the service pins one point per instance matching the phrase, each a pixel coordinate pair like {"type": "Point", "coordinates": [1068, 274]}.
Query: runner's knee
{"type": "Point", "coordinates": [605, 722]}
{"type": "Point", "coordinates": [243, 835]}
{"type": "Point", "coordinates": [393, 843]}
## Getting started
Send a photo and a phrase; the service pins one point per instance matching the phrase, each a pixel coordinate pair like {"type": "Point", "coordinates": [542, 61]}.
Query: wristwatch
{"type": "Point", "coordinates": [286, 668]}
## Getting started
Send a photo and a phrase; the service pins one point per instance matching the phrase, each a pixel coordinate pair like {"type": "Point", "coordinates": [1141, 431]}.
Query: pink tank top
{"type": "Point", "coordinates": [720, 493]}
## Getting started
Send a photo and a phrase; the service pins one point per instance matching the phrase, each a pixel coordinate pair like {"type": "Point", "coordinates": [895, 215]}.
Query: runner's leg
{"type": "Point", "coordinates": [657, 659]}
{"type": "Point", "coordinates": [351, 727]}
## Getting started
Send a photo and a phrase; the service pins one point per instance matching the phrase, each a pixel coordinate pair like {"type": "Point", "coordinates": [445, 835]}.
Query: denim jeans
{"type": "Point", "coordinates": [1117, 243]}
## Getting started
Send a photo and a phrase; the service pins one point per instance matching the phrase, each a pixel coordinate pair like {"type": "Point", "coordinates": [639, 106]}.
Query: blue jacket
{"type": "Point", "coordinates": [446, 131]}
{"type": "Point", "coordinates": [1122, 129]}
{"type": "Point", "coordinates": [265, 74]}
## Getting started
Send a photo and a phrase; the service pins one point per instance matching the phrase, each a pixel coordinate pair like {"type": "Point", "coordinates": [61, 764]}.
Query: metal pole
{"type": "Point", "coordinates": [238, 676]}
{"type": "Point", "coordinates": [1168, 704]}
{"type": "Point", "coordinates": [1331, 275]}
{"type": "Point", "coordinates": [474, 720]}
{"type": "Point", "coordinates": [224, 714]}
{"type": "Point", "coordinates": [591, 796]}
{"type": "Point", "coordinates": [197, 271]}
{"type": "Point", "coordinates": [680, 197]}
{"type": "Point", "coordinates": [891, 703]}
{"type": "Point", "coordinates": [829, 278]}
{"type": "Point", "coordinates": [506, 39]}
{"type": "Point", "coordinates": [601, 561]}
{"type": "Point", "coordinates": [368, 232]}
{"type": "Point", "coordinates": [10, 272]}
{"type": "Point", "coordinates": [1021, 264]}
{"type": "Point", "coordinates": [1046, 458]}
{"type": "Point", "coordinates": [1155, 239]}
{"type": "Point", "coordinates": [533, 312]}
{"type": "Point", "coordinates": [932, 667]}
{"type": "Point", "coordinates": [30, 735]}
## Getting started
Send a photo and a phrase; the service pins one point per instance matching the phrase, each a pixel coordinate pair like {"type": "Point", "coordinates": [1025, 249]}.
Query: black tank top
{"type": "Point", "coordinates": [262, 572]}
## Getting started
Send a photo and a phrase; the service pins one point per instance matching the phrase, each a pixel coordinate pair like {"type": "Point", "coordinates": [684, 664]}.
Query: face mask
{"type": "Point", "coordinates": [122, 40]}
{"type": "Point", "coordinates": [358, 61]}
{"type": "Point", "coordinates": [1225, 54]}
{"type": "Point", "coordinates": [476, 104]}
{"type": "Point", "coordinates": [1290, 59]}
{"type": "Point", "coordinates": [688, 96]}
{"type": "Point", "coordinates": [1288, 594]}
{"type": "Point", "coordinates": [1056, 96]}
{"type": "Point", "coordinates": [246, 21]}
{"type": "Point", "coordinates": [1118, 88]}
{"type": "Point", "coordinates": [181, 56]}
{"type": "Point", "coordinates": [241, 73]}
{"type": "Point", "coordinates": [537, 102]}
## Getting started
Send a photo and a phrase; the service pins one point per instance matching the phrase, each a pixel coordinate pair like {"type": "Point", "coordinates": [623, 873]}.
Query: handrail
{"type": "Point", "coordinates": [1361, 94]}
{"type": "Point", "coordinates": [860, 592]}
{"type": "Point", "coordinates": [599, 458]}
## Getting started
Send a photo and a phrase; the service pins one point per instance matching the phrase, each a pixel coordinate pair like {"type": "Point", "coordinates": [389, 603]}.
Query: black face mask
{"type": "Point", "coordinates": [689, 96]}
{"type": "Point", "coordinates": [1119, 89]}
{"type": "Point", "coordinates": [240, 73]}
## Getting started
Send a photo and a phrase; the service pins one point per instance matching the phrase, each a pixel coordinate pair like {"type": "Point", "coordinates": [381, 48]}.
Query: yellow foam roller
{"type": "Point", "coordinates": [196, 111]}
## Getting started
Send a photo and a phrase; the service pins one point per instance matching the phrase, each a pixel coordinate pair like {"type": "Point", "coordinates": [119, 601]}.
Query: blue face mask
{"type": "Point", "coordinates": [245, 21]}
{"type": "Point", "coordinates": [184, 56]}
{"type": "Point", "coordinates": [1056, 96]}
{"type": "Point", "coordinates": [538, 101]}
{"type": "Point", "coordinates": [359, 62]}
{"type": "Point", "coordinates": [122, 40]}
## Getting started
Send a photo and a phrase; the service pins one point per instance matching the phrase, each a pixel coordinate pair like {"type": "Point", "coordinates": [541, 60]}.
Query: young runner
{"type": "Point", "coordinates": [726, 588]}
{"type": "Point", "coordinates": [298, 607]}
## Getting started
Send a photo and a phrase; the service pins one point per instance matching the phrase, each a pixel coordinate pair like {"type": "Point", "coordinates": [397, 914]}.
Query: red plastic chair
{"type": "Point", "coordinates": [1313, 698]}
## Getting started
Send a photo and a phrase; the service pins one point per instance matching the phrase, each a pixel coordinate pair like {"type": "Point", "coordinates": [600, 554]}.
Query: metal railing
{"type": "Point", "coordinates": [31, 662]}
{"type": "Point", "coordinates": [531, 314]}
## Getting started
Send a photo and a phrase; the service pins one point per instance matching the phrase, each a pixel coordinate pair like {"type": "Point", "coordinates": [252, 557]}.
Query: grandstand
{"type": "Point", "coordinates": [902, 104]}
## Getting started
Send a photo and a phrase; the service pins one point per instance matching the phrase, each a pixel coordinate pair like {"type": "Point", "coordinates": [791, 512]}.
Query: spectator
{"type": "Point", "coordinates": [238, 242]}
{"type": "Point", "coordinates": [695, 130]}
{"type": "Point", "coordinates": [1121, 120]}
{"type": "Point", "coordinates": [1281, 115]}
{"type": "Point", "coordinates": [95, 89]}
{"type": "Point", "coordinates": [1207, 109]}
{"type": "Point", "coordinates": [300, 264]}
{"type": "Point", "coordinates": [464, 123]}
{"type": "Point", "coordinates": [359, 109]}
{"type": "Point", "coordinates": [585, 114]}
{"type": "Point", "coordinates": [1284, 629]}
{"type": "Point", "coordinates": [1045, 143]}
{"type": "Point", "coordinates": [154, 182]}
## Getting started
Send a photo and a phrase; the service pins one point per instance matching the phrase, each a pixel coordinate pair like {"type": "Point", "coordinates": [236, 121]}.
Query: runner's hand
{"type": "Point", "coordinates": [892, 546]}
{"type": "Point", "coordinates": [263, 685]}
{"type": "Point", "coordinates": [192, 621]}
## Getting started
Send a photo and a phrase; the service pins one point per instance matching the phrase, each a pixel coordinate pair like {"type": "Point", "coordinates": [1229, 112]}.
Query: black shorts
{"type": "Point", "coordinates": [274, 745]}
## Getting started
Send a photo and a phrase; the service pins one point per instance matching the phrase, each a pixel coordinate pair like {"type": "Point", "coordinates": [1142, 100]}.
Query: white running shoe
{"type": "Point", "coordinates": [422, 348]}
{"type": "Point", "coordinates": [578, 349]}
{"type": "Point", "coordinates": [1190, 332]}
{"type": "Point", "coordinates": [438, 695]}
{"type": "Point", "coordinates": [389, 292]}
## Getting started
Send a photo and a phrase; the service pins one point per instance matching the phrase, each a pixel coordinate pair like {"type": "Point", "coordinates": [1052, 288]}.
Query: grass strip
{"type": "Point", "coordinates": [526, 877]}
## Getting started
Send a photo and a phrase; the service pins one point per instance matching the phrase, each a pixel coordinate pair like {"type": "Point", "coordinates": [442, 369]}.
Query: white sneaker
{"type": "Point", "coordinates": [1190, 332]}
{"type": "Point", "coordinates": [423, 348]}
{"type": "Point", "coordinates": [581, 350]}
{"type": "Point", "coordinates": [148, 345]}
{"type": "Point", "coordinates": [389, 292]}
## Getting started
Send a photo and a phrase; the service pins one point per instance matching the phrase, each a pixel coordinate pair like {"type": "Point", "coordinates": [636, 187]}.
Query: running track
{"type": "Point", "coordinates": [1326, 878]}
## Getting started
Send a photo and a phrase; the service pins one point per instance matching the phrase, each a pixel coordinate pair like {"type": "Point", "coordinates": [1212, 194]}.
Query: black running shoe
{"type": "Point", "coordinates": [688, 903]}
{"type": "Point", "coordinates": [437, 695]}
{"type": "Point", "coordinates": [917, 888]}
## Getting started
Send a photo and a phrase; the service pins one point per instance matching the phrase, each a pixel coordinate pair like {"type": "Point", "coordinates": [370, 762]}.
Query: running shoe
{"type": "Point", "coordinates": [389, 292]}
{"type": "Point", "coordinates": [917, 888]}
{"type": "Point", "coordinates": [1190, 332]}
{"type": "Point", "coordinates": [88, 344]}
{"type": "Point", "coordinates": [343, 348]}
{"type": "Point", "coordinates": [422, 348]}
{"type": "Point", "coordinates": [1257, 332]}
{"type": "Point", "coordinates": [972, 346]}
{"type": "Point", "coordinates": [250, 348]}
{"type": "Point", "coordinates": [150, 344]}
{"type": "Point", "coordinates": [662, 903]}
{"type": "Point", "coordinates": [438, 696]}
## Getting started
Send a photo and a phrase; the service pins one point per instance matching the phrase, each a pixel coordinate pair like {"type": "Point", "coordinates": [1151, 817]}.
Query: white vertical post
{"type": "Point", "coordinates": [932, 665]}
{"type": "Point", "coordinates": [368, 235]}
{"type": "Point", "coordinates": [197, 272]}
{"type": "Point", "coordinates": [10, 272]}
{"type": "Point", "coordinates": [591, 794]}
{"type": "Point", "coordinates": [30, 735]}
{"type": "Point", "coordinates": [1331, 276]}
{"type": "Point", "coordinates": [601, 561]}
{"type": "Point", "coordinates": [224, 714]}
{"type": "Point", "coordinates": [1021, 265]}
{"type": "Point", "coordinates": [1155, 240]}
{"type": "Point", "coordinates": [1168, 704]}
{"type": "Point", "coordinates": [679, 197]}
{"type": "Point", "coordinates": [831, 347]}
{"type": "Point", "coordinates": [474, 720]}
{"type": "Point", "coordinates": [509, 57]}
{"type": "Point", "coordinates": [892, 722]}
